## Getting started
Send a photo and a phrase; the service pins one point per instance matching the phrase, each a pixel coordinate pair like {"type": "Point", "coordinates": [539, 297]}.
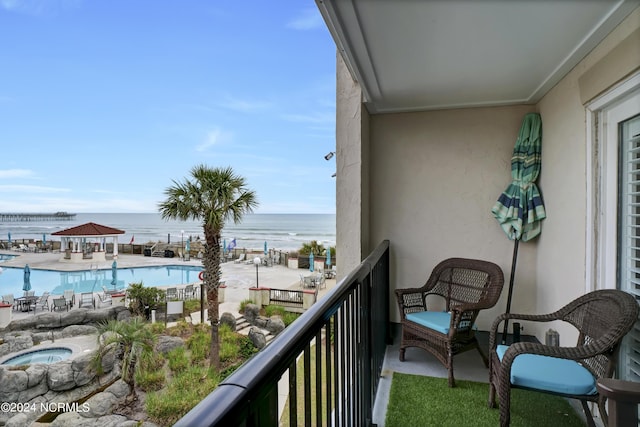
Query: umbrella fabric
{"type": "Point", "coordinates": [27, 278]}
{"type": "Point", "coordinates": [44, 239]}
{"type": "Point", "coordinates": [265, 247]}
{"type": "Point", "coordinates": [329, 257]}
{"type": "Point", "coordinates": [520, 209]}
{"type": "Point", "coordinates": [311, 262]}
{"type": "Point", "coordinates": [9, 236]}
{"type": "Point", "coordinates": [187, 245]}
{"type": "Point", "coordinates": [224, 247]}
{"type": "Point", "coordinates": [114, 274]}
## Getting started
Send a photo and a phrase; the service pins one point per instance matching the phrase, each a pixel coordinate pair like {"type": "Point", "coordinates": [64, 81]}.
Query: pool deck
{"type": "Point", "coordinates": [238, 277]}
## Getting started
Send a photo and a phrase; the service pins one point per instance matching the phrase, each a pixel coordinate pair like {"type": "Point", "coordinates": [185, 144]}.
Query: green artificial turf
{"type": "Point", "coordinates": [416, 401]}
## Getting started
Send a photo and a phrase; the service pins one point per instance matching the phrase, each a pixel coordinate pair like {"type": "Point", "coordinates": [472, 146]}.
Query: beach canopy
{"type": "Point", "coordinates": [329, 256]}
{"type": "Point", "coordinates": [114, 274]}
{"type": "Point", "coordinates": [27, 278]}
{"type": "Point", "coordinates": [311, 262]}
{"type": "Point", "coordinates": [520, 209]}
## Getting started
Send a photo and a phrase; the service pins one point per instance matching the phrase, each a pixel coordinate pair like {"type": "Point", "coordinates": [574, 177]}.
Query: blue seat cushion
{"type": "Point", "coordinates": [550, 374]}
{"type": "Point", "coordinates": [437, 320]}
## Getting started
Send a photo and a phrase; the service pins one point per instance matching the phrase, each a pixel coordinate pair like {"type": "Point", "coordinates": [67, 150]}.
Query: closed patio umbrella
{"type": "Point", "coordinates": [114, 274]}
{"type": "Point", "coordinates": [27, 278]}
{"type": "Point", "coordinates": [329, 257]}
{"type": "Point", "coordinates": [9, 236]}
{"type": "Point", "coordinates": [520, 208]}
{"type": "Point", "coordinates": [311, 262]}
{"type": "Point", "coordinates": [265, 247]}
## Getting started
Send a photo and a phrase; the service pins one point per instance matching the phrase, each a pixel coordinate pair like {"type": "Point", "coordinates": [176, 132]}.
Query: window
{"type": "Point", "coordinates": [613, 210]}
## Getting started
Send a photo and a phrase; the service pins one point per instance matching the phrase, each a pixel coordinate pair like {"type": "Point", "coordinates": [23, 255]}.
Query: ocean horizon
{"type": "Point", "coordinates": [280, 231]}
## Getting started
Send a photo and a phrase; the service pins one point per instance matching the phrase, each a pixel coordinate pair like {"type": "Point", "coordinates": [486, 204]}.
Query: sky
{"type": "Point", "coordinates": [105, 103]}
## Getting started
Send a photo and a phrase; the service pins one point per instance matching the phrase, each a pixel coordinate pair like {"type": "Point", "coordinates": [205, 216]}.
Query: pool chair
{"type": "Point", "coordinates": [171, 294]}
{"type": "Point", "coordinates": [239, 259]}
{"type": "Point", "coordinates": [86, 300]}
{"type": "Point", "coordinates": [602, 319]}
{"type": "Point", "coordinates": [70, 297]}
{"type": "Point", "coordinates": [42, 302]}
{"type": "Point", "coordinates": [104, 299]}
{"type": "Point", "coordinates": [60, 304]}
{"type": "Point", "coordinates": [440, 316]}
{"type": "Point", "coordinates": [189, 292]}
{"type": "Point", "coordinates": [9, 299]}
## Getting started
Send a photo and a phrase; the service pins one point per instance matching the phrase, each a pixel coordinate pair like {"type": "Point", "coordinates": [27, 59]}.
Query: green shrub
{"type": "Point", "coordinates": [178, 360]}
{"type": "Point", "coordinates": [243, 304]}
{"type": "Point", "coordinates": [199, 344]}
{"type": "Point", "coordinates": [274, 310]}
{"type": "Point", "coordinates": [191, 305]}
{"type": "Point", "coordinates": [228, 351]}
{"type": "Point", "coordinates": [141, 297]}
{"type": "Point", "coordinates": [150, 380]}
{"type": "Point", "coordinates": [246, 347]}
{"type": "Point", "coordinates": [156, 328]}
{"type": "Point", "coordinates": [183, 393]}
{"type": "Point", "coordinates": [289, 317]}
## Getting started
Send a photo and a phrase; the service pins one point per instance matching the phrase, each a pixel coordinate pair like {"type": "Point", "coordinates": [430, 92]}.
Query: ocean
{"type": "Point", "coordinates": [280, 231]}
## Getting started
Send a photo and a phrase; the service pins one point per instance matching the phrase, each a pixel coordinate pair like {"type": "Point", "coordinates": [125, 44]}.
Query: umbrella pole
{"type": "Point", "coordinates": [513, 273]}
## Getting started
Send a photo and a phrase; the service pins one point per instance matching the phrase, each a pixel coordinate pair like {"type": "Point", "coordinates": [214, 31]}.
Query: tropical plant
{"type": "Point", "coordinates": [142, 297]}
{"type": "Point", "coordinates": [213, 196]}
{"type": "Point", "coordinates": [131, 338]}
{"type": "Point", "coordinates": [312, 247]}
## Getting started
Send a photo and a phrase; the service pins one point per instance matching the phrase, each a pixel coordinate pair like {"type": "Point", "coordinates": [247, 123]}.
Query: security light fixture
{"type": "Point", "coordinates": [329, 155]}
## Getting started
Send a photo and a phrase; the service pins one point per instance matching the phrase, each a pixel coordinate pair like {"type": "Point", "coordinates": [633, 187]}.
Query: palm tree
{"type": "Point", "coordinates": [132, 337]}
{"type": "Point", "coordinates": [214, 196]}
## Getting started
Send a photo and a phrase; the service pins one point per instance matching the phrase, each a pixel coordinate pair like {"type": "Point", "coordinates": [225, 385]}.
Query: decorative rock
{"type": "Point", "coordinates": [100, 315]}
{"type": "Point", "coordinates": [99, 405]}
{"type": "Point", "coordinates": [73, 317]}
{"type": "Point", "coordinates": [23, 324]}
{"type": "Point", "coordinates": [76, 330]}
{"type": "Point", "coordinates": [12, 383]}
{"type": "Point", "coordinates": [275, 325]}
{"type": "Point", "coordinates": [166, 343]}
{"type": "Point", "coordinates": [251, 312]}
{"type": "Point", "coordinates": [260, 322]}
{"type": "Point", "coordinates": [18, 420]}
{"type": "Point", "coordinates": [35, 374]}
{"type": "Point", "coordinates": [48, 320]}
{"type": "Point", "coordinates": [124, 315]}
{"type": "Point", "coordinates": [119, 389]}
{"type": "Point", "coordinates": [61, 378]}
{"type": "Point", "coordinates": [83, 370]}
{"type": "Point", "coordinates": [257, 338]}
{"type": "Point", "coordinates": [228, 319]}
{"type": "Point", "coordinates": [32, 392]}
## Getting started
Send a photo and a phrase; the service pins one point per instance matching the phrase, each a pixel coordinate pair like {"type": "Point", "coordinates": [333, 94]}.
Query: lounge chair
{"type": "Point", "coordinates": [59, 304]}
{"type": "Point", "coordinates": [464, 286]}
{"type": "Point", "coordinates": [86, 300]}
{"type": "Point", "coordinates": [70, 297]}
{"type": "Point", "coordinates": [189, 292]}
{"type": "Point", "coordinates": [104, 299]}
{"type": "Point", "coordinates": [239, 259]}
{"type": "Point", "coordinates": [171, 294]}
{"type": "Point", "coordinates": [41, 302]}
{"type": "Point", "coordinates": [602, 319]}
{"type": "Point", "coordinates": [29, 293]}
{"type": "Point", "coordinates": [8, 299]}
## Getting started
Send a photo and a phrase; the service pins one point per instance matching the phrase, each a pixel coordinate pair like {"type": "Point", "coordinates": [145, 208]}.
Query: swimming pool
{"type": "Point", "coordinates": [47, 356]}
{"type": "Point", "coordinates": [11, 278]}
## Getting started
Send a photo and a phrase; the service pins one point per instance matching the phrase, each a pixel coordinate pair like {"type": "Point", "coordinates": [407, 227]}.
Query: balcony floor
{"type": "Point", "coordinates": [467, 366]}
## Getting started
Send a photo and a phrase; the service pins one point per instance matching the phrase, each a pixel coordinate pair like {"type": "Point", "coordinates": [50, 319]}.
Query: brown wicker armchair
{"type": "Point", "coordinates": [602, 318]}
{"type": "Point", "coordinates": [467, 286]}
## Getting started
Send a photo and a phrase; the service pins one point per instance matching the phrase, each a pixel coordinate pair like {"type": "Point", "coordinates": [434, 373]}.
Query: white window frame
{"type": "Point", "coordinates": [602, 182]}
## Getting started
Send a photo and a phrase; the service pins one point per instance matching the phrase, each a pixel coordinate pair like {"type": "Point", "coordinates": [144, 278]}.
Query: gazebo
{"type": "Point", "coordinates": [87, 242]}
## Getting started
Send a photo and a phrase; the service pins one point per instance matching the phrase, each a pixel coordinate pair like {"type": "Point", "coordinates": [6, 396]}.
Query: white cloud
{"type": "Point", "coordinates": [214, 137]}
{"type": "Point", "coordinates": [15, 173]}
{"type": "Point", "coordinates": [244, 105]}
{"type": "Point", "coordinates": [309, 19]}
{"type": "Point", "coordinates": [31, 189]}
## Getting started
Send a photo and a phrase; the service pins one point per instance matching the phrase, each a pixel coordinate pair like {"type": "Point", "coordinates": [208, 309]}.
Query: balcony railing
{"type": "Point", "coordinates": [332, 354]}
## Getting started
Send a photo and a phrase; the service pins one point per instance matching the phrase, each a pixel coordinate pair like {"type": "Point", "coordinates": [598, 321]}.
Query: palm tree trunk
{"type": "Point", "coordinates": [212, 282]}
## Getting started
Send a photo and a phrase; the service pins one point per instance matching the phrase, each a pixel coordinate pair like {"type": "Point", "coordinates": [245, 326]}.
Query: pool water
{"type": "Point", "coordinates": [12, 278]}
{"type": "Point", "coordinates": [47, 356]}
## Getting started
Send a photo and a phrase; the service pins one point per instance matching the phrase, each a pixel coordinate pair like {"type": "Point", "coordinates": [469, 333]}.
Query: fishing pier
{"type": "Point", "coordinates": [36, 217]}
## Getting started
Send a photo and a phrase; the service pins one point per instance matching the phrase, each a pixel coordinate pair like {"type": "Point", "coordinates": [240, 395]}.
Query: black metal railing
{"type": "Point", "coordinates": [332, 354]}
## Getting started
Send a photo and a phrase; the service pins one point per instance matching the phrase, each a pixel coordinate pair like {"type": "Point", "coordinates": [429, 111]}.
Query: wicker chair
{"type": "Point", "coordinates": [602, 319]}
{"type": "Point", "coordinates": [466, 286]}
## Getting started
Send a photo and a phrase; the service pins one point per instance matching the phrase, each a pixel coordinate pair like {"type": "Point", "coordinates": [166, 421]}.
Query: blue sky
{"type": "Point", "coordinates": [103, 103]}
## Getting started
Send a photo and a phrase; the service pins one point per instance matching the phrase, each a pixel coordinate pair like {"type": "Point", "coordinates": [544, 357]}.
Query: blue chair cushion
{"type": "Point", "coordinates": [437, 320]}
{"type": "Point", "coordinates": [550, 374]}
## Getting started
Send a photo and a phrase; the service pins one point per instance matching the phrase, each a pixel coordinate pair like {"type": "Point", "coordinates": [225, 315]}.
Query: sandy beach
{"type": "Point", "coordinates": [238, 277]}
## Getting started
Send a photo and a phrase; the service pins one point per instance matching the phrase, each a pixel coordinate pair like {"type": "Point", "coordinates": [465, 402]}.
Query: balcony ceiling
{"type": "Point", "coordinates": [411, 55]}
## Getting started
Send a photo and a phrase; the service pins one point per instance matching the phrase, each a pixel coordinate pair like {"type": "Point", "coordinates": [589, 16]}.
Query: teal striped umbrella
{"type": "Point", "coordinates": [519, 209]}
